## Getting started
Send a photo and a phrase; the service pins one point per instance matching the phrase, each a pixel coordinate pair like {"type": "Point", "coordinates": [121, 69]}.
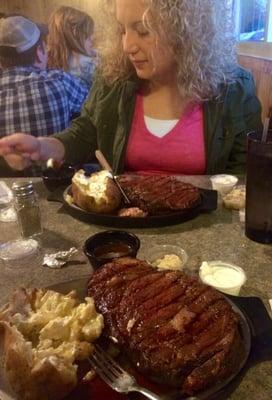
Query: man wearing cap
{"type": "Point", "coordinates": [33, 99]}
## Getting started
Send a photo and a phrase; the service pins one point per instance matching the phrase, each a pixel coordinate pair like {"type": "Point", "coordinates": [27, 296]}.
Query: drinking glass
{"type": "Point", "coordinates": [258, 221]}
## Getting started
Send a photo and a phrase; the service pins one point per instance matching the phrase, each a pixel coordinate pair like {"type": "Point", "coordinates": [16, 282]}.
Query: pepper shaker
{"type": "Point", "coordinates": [26, 203]}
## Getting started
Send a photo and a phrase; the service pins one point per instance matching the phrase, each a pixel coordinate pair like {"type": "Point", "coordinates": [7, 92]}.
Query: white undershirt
{"type": "Point", "coordinates": [159, 127]}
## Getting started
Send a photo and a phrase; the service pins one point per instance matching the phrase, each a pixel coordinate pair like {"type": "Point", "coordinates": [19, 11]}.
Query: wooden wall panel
{"type": "Point", "coordinates": [40, 10]}
{"type": "Point", "coordinates": [262, 72]}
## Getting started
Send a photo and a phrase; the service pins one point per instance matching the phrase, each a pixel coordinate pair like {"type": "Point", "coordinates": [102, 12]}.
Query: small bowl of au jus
{"type": "Point", "coordinates": [105, 246]}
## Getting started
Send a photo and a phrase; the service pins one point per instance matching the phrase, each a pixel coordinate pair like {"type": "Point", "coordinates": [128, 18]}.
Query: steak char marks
{"type": "Point", "coordinates": [159, 194]}
{"type": "Point", "coordinates": [173, 328]}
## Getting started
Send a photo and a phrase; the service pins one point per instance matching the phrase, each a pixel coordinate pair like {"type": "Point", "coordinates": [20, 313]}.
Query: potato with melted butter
{"type": "Point", "coordinates": [45, 335]}
{"type": "Point", "coordinates": [168, 261]}
{"type": "Point", "coordinates": [95, 193]}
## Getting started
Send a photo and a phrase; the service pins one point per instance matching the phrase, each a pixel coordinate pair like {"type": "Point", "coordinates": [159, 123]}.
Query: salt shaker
{"type": "Point", "coordinates": [26, 204]}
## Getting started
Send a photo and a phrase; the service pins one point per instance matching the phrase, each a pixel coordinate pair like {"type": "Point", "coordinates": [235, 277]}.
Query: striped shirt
{"type": "Point", "coordinates": [38, 102]}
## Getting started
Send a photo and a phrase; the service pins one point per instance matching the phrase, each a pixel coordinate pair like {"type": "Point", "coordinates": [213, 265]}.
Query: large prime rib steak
{"type": "Point", "coordinates": [173, 328]}
{"type": "Point", "coordinates": [158, 194]}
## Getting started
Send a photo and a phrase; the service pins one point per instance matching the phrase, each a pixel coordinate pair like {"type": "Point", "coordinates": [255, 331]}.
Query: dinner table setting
{"type": "Point", "coordinates": [60, 254]}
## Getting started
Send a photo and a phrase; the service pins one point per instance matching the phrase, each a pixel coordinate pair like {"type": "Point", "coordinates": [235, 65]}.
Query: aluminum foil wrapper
{"type": "Point", "coordinates": [59, 259]}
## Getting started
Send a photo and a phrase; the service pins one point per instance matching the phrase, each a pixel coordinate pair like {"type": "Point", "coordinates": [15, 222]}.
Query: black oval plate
{"type": "Point", "coordinates": [253, 317]}
{"type": "Point", "coordinates": [80, 285]}
{"type": "Point", "coordinates": [208, 203]}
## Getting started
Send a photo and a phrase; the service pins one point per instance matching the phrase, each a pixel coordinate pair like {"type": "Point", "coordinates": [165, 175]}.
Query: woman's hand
{"type": "Point", "coordinates": [20, 150]}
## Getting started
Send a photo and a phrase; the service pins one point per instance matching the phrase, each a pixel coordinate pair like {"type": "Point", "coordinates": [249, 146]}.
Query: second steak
{"type": "Point", "coordinates": [174, 328]}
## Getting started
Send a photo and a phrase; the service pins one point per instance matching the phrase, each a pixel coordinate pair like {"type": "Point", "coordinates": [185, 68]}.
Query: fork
{"type": "Point", "coordinates": [116, 377]}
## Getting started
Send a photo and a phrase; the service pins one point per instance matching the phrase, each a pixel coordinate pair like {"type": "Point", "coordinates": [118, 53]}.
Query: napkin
{"type": "Point", "coordinates": [5, 193]}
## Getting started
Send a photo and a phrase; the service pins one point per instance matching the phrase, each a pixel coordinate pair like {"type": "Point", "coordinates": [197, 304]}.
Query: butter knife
{"type": "Point", "coordinates": [105, 165]}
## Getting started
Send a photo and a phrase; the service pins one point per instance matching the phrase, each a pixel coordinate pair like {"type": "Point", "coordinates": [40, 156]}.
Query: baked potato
{"type": "Point", "coordinates": [95, 193]}
{"type": "Point", "coordinates": [44, 335]}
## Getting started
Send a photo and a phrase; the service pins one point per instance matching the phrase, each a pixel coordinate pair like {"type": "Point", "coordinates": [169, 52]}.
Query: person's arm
{"type": "Point", "coordinates": [244, 115]}
{"type": "Point", "coordinates": [20, 150]}
{"type": "Point", "coordinates": [51, 147]}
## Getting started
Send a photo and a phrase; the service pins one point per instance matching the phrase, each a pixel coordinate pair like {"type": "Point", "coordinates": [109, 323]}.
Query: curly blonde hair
{"type": "Point", "coordinates": [68, 29]}
{"type": "Point", "coordinates": [199, 34]}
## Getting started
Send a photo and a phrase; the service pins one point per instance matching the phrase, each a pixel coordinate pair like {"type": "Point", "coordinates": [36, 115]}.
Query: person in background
{"type": "Point", "coordinates": [169, 96]}
{"type": "Point", "coordinates": [70, 42]}
{"type": "Point", "coordinates": [33, 99]}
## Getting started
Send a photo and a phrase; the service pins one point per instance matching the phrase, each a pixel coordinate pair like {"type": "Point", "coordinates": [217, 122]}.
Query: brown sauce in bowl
{"type": "Point", "coordinates": [112, 250]}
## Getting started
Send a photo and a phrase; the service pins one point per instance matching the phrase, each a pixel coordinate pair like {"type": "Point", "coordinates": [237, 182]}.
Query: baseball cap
{"type": "Point", "coordinates": [19, 32]}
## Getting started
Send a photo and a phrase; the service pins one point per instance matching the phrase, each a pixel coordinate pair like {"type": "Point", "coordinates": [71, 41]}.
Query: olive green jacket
{"type": "Point", "coordinates": [106, 119]}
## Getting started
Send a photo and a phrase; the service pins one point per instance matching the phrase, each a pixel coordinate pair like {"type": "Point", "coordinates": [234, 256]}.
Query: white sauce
{"type": "Point", "coordinates": [223, 182]}
{"type": "Point", "coordinates": [225, 277]}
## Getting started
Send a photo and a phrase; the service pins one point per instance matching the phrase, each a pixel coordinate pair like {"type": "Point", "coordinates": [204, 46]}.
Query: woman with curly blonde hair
{"type": "Point", "coordinates": [169, 96]}
{"type": "Point", "coordinates": [69, 42]}
{"type": "Point", "coordinates": [197, 34]}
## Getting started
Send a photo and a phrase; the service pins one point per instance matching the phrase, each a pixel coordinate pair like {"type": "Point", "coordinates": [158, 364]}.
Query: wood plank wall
{"type": "Point", "coordinates": [40, 10]}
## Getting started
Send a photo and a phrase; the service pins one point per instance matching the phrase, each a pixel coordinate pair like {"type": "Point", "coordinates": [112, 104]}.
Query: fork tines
{"type": "Point", "coordinates": [117, 378]}
{"type": "Point", "coordinates": [104, 360]}
{"type": "Point", "coordinates": [106, 367]}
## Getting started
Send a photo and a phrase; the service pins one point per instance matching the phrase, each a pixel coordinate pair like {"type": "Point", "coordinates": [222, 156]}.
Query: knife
{"type": "Point", "coordinates": [105, 165]}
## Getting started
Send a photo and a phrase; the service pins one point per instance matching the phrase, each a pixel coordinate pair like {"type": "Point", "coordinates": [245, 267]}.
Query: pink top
{"type": "Point", "coordinates": [180, 151]}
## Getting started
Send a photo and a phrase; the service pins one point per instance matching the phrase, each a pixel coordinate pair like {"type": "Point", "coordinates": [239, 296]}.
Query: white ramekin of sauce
{"type": "Point", "coordinates": [225, 277]}
{"type": "Point", "coordinates": [223, 183]}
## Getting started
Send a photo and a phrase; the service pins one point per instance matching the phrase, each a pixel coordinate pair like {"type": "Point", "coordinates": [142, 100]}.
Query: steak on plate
{"type": "Point", "coordinates": [173, 328]}
{"type": "Point", "coordinates": [158, 194]}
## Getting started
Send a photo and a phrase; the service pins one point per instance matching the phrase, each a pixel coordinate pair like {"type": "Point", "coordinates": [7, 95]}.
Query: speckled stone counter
{"type": "Point", "coordinates": [210, 236]}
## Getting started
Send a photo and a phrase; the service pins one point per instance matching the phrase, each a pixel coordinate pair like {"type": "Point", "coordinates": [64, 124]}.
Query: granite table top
{"type": "Point", "coordinates": [218, 235]}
